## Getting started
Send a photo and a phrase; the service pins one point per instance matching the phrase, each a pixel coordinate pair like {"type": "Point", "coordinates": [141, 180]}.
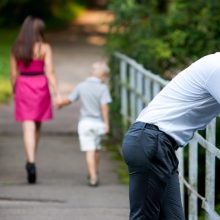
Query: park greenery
{"type": "Point", "coordinates": [165, 36]}
{"type": "Point", "coordinates": [54, 13]}
{"type": "Point", "coordinates": [6, 39]}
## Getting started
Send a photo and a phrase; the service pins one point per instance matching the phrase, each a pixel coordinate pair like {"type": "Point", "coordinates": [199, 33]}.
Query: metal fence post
{"type": "Point", "coordinates": [210, 168]}
{"type": "Point", "coordinates": [124, 99]}
{"type": "Point", "coordinates": [147, 89]}
{"type": "Point", "coordinates": [140, 103]}
{"type": "Point", "coordinates": [132, 95]}
{"type": "Point", "coordinates": [193, 178]}
{"type": "Point", "coordinates": [156, 88]}
{"type": "Point", "coordinates": [180, 155]}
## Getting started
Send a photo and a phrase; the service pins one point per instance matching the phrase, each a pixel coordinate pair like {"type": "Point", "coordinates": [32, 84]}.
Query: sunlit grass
{"type": "Point", "coordinates": [7, 36]}
{"type": "Point", "coordinates": [70, 11]}
{"type": "Point", "coordinates": [121, 167]}
{"type": "Point", "coordinates": [5, 90]}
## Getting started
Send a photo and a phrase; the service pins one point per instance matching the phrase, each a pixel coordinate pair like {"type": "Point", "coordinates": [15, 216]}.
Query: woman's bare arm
{"type": "Point", "coordinates": [50, 72]}
{"type": "Point", "coordinates": [13, 71]}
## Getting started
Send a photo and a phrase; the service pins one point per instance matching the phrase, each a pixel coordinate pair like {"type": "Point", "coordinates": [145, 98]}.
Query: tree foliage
{"type": "Point", "coordinates": [164, 35]}
{"type": "Point", "coordinates": [54, 12]}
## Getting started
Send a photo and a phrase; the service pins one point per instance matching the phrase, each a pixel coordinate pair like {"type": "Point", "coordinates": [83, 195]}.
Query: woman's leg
{"type": "Point", "coordinates": [29, 137]}
{"type": "Point", "coordinates": [37, 135]}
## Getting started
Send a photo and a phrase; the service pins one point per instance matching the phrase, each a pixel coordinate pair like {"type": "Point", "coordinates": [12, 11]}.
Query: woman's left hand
{"type": "Point", "coordinates": [58, 102]}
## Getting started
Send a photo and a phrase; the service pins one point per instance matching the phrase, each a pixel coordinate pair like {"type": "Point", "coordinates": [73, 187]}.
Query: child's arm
{"type": "Point", "coordinates": [63, 102]}
{"type": "Point", "coordinates": [74, 96]}
{"type": "Point", "coordinates": [105, 114]}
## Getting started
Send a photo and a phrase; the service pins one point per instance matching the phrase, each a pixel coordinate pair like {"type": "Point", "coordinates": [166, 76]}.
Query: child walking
{"type": "Point", "coordinates": [94, 98]}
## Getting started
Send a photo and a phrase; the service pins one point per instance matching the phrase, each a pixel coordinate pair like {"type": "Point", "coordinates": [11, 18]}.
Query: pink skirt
{"type": "Point", "coordinates": [32, 99]}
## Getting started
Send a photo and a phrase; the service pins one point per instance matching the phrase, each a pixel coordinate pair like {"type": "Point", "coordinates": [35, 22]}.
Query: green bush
{"type": "Point", "coordinates": [121, 168]}
{"type": "Point", "coordinates": [7, 36]}
{"type": "Point", "coordinates": [5, 90]}
{"type": "Point", "coordinates": [55, 13]}
{"type": "Point", "coordinates": [165, 36]}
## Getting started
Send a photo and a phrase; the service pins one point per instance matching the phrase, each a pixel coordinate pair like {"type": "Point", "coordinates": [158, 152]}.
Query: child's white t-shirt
{"type": "Point", "coordinates": [92, 93]}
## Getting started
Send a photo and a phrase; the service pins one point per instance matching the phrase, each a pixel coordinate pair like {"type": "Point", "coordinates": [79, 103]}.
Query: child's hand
{"type": "Point", "coordinates": [58, 103]}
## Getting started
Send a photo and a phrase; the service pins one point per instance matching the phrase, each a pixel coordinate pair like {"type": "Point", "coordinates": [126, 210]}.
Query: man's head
{"type": "Point", "coordinates": [100, 70]}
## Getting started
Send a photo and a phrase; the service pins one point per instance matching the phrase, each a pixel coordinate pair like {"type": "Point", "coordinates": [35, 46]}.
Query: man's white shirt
{"type": "Point", "coordinates": [189, 102]}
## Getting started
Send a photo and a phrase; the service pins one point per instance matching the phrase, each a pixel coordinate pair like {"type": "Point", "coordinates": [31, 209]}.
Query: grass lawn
{"type": "Point", "coordinates": [114, 149]}
{"type": "Point", "coordinates": [7, 36]}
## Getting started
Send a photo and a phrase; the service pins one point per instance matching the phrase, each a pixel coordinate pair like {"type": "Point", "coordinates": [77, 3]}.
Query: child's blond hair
{"type": "Point", "coordinates": [100, 68]}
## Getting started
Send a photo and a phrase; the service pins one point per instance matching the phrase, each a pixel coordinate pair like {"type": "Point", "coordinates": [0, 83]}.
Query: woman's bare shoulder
{"type": "Point", "coordinates": [41, 49]}
{"type": "Point", "coordinates": [43, 46]}
{"type": "Point", "coordinates": [46, 48]}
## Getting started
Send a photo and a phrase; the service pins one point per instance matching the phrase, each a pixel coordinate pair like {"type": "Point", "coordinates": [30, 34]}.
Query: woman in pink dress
{"type": "Point", "coordinates": [31, 69]}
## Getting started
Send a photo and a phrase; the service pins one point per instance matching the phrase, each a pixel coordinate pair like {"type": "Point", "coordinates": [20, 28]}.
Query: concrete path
{"type": "Point", "coordinates": [62, 192]}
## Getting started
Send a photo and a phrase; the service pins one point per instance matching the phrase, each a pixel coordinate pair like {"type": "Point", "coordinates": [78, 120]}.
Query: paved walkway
{"type": "Point", "coordinates": [62, 193]}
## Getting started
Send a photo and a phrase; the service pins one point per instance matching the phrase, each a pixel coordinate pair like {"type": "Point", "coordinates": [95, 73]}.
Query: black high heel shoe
{"type": "Point", "coordinates": [93, 182]}
{"type": "Point", "coordinates": [31, 173]}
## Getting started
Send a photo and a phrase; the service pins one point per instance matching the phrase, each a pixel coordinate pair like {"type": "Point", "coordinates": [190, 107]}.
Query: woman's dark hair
{"type": "Point", "coordinates": [32, 31]}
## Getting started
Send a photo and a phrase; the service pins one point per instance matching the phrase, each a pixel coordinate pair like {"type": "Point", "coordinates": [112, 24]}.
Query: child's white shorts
{"type": "Point", "coordinates": [90, 133]}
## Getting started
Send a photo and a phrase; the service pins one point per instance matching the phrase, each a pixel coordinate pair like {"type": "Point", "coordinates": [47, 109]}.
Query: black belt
{"type": "Point", "coordinates": [31, 73]}
{"type": "Point", "coordinates": [155, 127]}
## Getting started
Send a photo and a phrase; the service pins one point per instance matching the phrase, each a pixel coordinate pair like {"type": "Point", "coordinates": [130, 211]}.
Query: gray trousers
{"type": "Point", "coordinates": [154, 191]}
